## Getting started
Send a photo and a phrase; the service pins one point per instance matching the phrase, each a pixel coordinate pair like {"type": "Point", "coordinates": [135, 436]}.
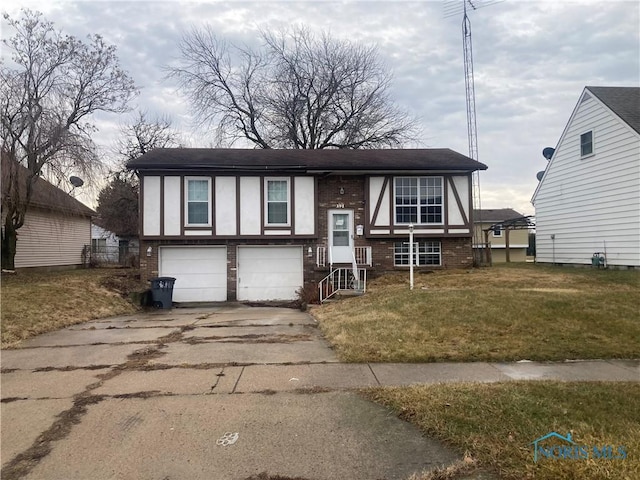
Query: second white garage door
{"type": "Point", "coordinates": [269, 273]}
{"type": "Point", "coordinates": [200, 272]}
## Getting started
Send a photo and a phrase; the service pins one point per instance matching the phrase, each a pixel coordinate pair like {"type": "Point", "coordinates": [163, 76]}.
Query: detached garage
{"type": "Point", "coordinates": [269, 273]}
{"type": "Point", "coordinates": [200, 272]}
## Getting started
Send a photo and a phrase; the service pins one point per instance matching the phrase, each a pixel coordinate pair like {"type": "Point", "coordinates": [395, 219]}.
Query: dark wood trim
{"type": "Point", "coordinates": [183, 204]}
{"type": "Point", "coordinates": [230, 238]}
{"type": "Point", "coordinates": [292, 204]}
{"type": "Point", "coordinates": [213, 215]}
{"type": "Point", "coordinates": [141, 207]}
{"type": "Point", "coordinates": [197, 228]}
{"type": "Point", "coordinates": [445, 203]}
{"type": "Point", "coordinates": [392, 201]}
{"type": "Point", "coordinates": [162, 177]}
{"type": "Point", "coordinates": [458, 201]}
{"type": "Point", "coordinates": [238, 216]}
{"type": "Point", "coordinates": [262, 202]}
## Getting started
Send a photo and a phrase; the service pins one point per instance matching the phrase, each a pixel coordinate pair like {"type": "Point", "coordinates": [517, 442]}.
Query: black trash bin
{"type": "Point", "coordinates": [162, 291]}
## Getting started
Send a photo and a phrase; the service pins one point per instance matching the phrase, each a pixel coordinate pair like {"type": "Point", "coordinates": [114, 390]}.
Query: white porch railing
{"type": "Point", "coordinates": [343, 280]}
{"type": "Point", "coordinates": [362, 254]}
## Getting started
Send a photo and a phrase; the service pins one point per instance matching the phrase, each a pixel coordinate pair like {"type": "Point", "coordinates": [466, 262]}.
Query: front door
{"type": "Point", "coordinates": [341, 236]}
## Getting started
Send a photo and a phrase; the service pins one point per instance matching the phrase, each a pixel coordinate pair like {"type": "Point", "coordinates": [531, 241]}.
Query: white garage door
{"type": "Point", "coordinates": [269, 273]}
{"type": "Point", "coordinates": [200, 272]}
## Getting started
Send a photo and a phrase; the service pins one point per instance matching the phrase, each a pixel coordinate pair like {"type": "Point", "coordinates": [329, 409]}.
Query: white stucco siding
{"type": "Point", "coordinates": [172, 205]}
{"type": "Point", "coordinates": [225, 205]}
{"type": "Point", "coordinates": [51, 239]}
{"type": "Point", "coordinates": [591, 204]}
{"type": "Point", "coordinates": [304, 202]}
{"type": "Point", "coordinates": [375, 190]}
{"type": "Point", "coordinates": [250, 202]}
{"type": "Point", "coordinates": [455, 215]}
{"type": "Point", "coordinates": [151, 206]}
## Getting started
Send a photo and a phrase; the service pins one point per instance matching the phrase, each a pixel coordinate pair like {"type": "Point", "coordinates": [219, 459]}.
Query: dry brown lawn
{"type": "Point", "coordinates": [500, 313]}
{"type": "Point", "coordinates": [39, 302]}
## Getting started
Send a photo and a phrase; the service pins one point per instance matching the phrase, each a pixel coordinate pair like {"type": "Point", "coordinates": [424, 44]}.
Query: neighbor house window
{"type": "Point", "coordinates": [497, 232]}
{"type": "Point", "coordinates": [418, 200]}
{"type": "Point", "coordinates": [586, 143]}
{"type": "Point", "coordinates": [98, 245]}
{"type": "Point", "coordinates": [425, 253]}
{"type": "Point", "coordinates": [198, 201]}
{"type": "Point", "coordinates": [277, 201]}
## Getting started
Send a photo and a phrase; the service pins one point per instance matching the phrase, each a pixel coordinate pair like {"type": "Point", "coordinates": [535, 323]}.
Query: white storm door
{"type": "Point", "coordinates": [341, 236]}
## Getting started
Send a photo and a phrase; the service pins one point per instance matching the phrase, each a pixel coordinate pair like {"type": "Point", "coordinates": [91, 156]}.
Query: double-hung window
{"type": "Point", "coordinates": [277, 201]}
{"type": "Point", "coordinates": [424, 253]}
{"type": "Point", "coordinates": [586, 143]}
{"type": "Point", "coordinates": [418, 200]}
{"type": "Point", "coordinates": [198, 196]}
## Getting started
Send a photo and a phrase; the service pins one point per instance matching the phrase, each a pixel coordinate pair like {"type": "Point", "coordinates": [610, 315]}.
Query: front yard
{"type": "Point", "coordinates": [502, 313]}
{"type": "Point", "coordinates": [40, 302]}
{"type": "Point", "coordinates": [505, 313]}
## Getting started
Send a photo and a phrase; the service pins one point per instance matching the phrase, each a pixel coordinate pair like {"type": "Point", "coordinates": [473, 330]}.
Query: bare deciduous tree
{"type": "Point", "coordinates": [118, 200]}
{"type": "Point", "coordinates": [48, 91]}
{"type": "Point", "coordinates": [300, 91]}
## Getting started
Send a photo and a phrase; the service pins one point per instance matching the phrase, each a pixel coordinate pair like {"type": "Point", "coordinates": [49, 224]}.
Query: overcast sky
{"type": "Point", "coordinates": [531, 61]}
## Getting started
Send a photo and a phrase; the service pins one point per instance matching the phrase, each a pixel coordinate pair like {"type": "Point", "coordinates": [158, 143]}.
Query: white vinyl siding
{"type": "Point", "coordinates": [171, 206]}
{"type": "Point", "coordinates": [591, 204]}
{"type": "Point", "coordinates": [51, 239]}
{"type": "Point", "coordinates": [304, 210]}
{"type": "Point", "coordinates": [225, 204]}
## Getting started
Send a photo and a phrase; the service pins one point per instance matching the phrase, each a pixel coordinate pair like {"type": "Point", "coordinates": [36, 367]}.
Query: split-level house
{"type": "Point", "coordinates": [588, 200]}
{"type": "Point", "coordinates": [242, 224]}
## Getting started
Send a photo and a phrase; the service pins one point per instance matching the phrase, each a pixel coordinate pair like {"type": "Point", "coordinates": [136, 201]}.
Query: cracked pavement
{"type": "Point", "coordinates": [148, 395]}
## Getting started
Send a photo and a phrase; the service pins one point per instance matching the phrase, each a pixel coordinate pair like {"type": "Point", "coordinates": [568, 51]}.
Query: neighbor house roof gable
{"type": "Point", "coordinates": [619, 101]}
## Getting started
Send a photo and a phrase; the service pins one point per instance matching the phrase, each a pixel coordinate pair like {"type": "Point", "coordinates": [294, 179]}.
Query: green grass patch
{"type": "Point", "coordinates": [39, 302]}
{"type": "Point", "coordinates": [496, 424]}
{"type": "Point", "coordinates": [501, 313]}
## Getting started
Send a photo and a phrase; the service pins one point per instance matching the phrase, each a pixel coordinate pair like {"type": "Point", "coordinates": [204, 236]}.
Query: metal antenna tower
{"type": "Point", "coordinates": [472, 129]}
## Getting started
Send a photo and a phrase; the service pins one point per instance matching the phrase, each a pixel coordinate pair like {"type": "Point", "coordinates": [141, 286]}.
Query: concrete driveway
{"type": "Point", "coordinates": [228, 392]}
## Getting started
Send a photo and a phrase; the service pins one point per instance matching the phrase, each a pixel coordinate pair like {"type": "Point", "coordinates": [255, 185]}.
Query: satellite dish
{"type": "Point", "coordinates": [548, 152]}
{"type": "Point", "coordinates": [539, 175]}
{"type": "Point", "coordinates": [76, 181]}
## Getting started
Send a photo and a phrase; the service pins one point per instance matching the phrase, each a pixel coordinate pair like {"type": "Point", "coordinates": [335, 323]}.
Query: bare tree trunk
{"type": "Point", "coordinates": [9, 242]}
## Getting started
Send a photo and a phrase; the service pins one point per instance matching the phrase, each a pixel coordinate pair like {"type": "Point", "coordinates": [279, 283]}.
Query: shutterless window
{"type": "Point", "coordinates": [198, 202]}
{"type": "Point", "coordinates": [418, 200]}
{"type": "Point", "coordinates": [497, 232]}
{"type": "Point", "coordinates": [98, 245]}
{"type": "Point", "coordinates": [425, 253]}
{"type": "Point", "coordinates": [586, 143]}
{"type": "Point", "coordinates": [277, 202]}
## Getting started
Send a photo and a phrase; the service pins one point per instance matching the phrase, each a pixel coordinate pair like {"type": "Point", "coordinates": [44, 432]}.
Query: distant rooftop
{"type": "Point", "coordinates": [496, 215]}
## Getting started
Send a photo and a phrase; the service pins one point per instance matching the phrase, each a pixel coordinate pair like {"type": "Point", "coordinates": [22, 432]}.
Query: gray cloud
{"type": "Point", "coordinates": [531, 58]}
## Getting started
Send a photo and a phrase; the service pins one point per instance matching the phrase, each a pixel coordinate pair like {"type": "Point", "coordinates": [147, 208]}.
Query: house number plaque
{"type": "Point", "coordinates": [339, 205]}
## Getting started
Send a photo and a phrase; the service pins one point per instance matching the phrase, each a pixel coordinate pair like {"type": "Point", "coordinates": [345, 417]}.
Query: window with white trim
{"type": "Point", "coordinates": [418, 200]}
{"type": "Point", "coordinates": [277, 201]}
{"type": "Point", "coordinates": [497, 232]}
{"type": "Point", "coordinates": [198, 201]}
{"type": "Point", "coordinates": [425, 253]}
{"type": "Point", "coordinates": [586, 143]}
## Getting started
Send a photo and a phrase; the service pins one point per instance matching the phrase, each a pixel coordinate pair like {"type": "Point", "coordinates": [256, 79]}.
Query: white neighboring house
{"type": "Point", "coordinates": [588, 200]}
{"type": "Point", "coordinates": [107, 247]}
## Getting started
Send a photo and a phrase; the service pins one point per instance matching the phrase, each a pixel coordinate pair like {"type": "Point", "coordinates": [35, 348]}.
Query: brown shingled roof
{"type": "Point", "coordinates": [44, 194]}
{"type": "Point", "coordinates": [496, 215]}
{"type": "Point", "coordinates": [334, 160]}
